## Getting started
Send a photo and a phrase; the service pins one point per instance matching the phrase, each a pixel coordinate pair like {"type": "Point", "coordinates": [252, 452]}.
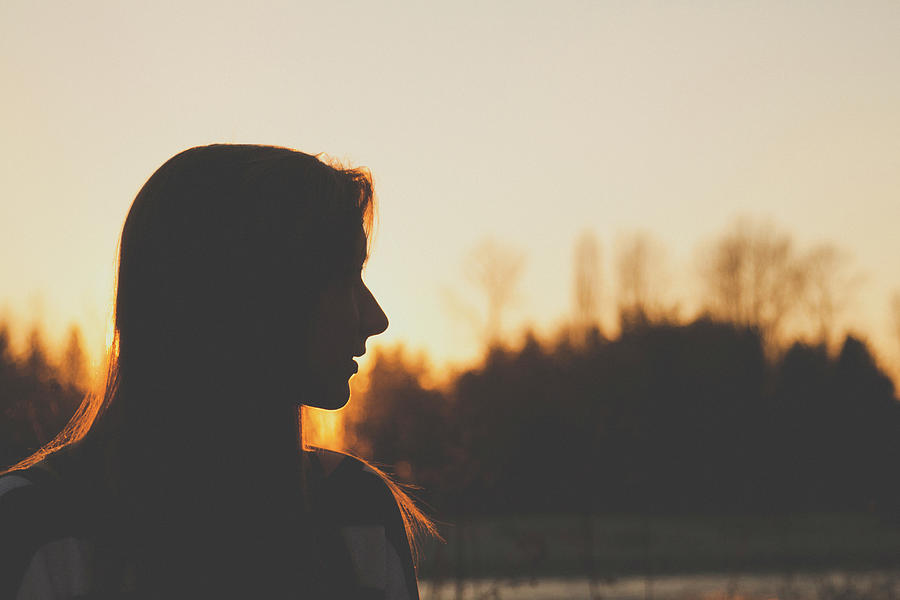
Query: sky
{"type": "Point", "coordinates": [524, 122]}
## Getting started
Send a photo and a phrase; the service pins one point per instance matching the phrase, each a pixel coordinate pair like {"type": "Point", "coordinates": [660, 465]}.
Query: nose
{"type": "Point", "coordinates": [372, 319]}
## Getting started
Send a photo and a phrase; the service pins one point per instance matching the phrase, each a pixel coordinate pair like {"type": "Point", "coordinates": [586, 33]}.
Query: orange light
{"type": "Point", "coordinates": [323, 428]}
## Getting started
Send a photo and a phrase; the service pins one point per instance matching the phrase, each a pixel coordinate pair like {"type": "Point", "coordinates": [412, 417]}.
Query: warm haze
{"type": "Point", "coordinates": [527, 122]}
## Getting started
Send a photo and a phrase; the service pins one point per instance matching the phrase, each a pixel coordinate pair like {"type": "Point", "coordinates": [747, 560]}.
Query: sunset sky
{"type": "Point", "coordinates": [525, 122]}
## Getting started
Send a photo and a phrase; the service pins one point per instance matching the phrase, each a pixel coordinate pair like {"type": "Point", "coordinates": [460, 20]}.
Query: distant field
{"type": "Point", "coordinates": [612, 546]}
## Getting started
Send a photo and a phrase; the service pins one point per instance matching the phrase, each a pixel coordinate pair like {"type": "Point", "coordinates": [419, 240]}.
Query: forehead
{"type": "Point", "coordinates": [360, 249]}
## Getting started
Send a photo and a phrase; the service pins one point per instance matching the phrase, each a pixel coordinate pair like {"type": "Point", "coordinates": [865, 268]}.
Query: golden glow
{"type": "Point", "coordinates": [333, 429]}
{"type": "Point", "coordinates": [323, 428]}
{"type": "Point", "coordinates": [110, 330]}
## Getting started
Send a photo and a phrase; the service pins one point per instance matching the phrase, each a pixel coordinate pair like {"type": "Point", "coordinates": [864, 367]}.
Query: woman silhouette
{"type": "Point", "coordinates": [239, 298]}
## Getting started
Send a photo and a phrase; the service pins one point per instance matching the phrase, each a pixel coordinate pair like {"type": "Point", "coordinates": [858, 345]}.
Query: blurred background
{"type": "Point", "coordinates": [640, 261]}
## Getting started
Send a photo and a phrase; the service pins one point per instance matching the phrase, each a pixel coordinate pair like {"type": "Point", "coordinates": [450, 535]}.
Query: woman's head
{"type": "Point", "coordinates": [239, 296]}
{"type": "Point", "coordinates": [239, 272]}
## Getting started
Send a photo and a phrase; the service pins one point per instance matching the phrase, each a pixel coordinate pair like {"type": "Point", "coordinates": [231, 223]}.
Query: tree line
{"type": "Point", "coordinates": [718, 412]}
{"type": "Point", "coordinates": [667, 417]}
{"type": "Point", "coordinates": [38, 394]}
{"type": "Point", "coordinates": [722, 411]}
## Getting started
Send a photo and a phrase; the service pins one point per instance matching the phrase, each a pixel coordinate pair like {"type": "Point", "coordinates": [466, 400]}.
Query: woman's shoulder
{"type": "Point", "coordinates": [28, 490]}
{"type": "Point", "coordinates": [37, 506]}
{"type": "Point", "coordinates": [32, 496]}
{"type": "Point", "coordinates": [352, 487]}
{"type": "Point", "coordinates": [359, 500]}
{"type": "Point", "coordinates": [40, 526]}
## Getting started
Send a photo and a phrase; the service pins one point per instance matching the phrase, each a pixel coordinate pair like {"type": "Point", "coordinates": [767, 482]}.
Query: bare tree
{"type": "Point", "coordinates": [39, 371]}
{"type": "Point", "coordinates": [754, 277]}
{"type": "Point", "coordinates": [494, 269]}
{"type": "Point", "coordinates": [74, 365]}
{"type": "Point", "coordinates": [640, 270]}
{"type": "Point", "coordinates": [829, 287]}
{"type": "Point", "coordinates": [895, 314]}
{"type": "Point", "coordinates": [587, 281]}
{"type": "Point", "coordinates": [37, 358]}
{"type": "Point", "coordinates": [894, 309]}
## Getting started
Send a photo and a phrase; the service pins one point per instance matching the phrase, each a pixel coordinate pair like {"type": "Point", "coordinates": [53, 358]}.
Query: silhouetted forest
{"type": "Point", "coordinates": [37, 395]}
{"type": "Point", "coordinates": [668, 417]}
{"type": "Point", "coordinates": [684, 418]}
{"type": "Point", "coordinates": [719, 413]}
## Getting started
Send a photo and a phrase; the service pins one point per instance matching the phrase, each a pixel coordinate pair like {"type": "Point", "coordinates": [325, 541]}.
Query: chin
{"type": "Point", "coordinates": [329, 398]}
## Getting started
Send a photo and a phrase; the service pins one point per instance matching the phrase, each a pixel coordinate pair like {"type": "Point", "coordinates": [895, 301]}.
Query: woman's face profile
{"type": "Point", "coordinates": [344, 317]}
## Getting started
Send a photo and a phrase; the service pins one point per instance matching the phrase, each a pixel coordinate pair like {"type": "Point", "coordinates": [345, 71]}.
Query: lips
{"type": "Point", "coordinates": [354, 368]}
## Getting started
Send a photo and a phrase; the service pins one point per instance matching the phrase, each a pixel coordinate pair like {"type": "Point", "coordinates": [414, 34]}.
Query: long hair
{"type": "Point", "coordinates": [220, 260]}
